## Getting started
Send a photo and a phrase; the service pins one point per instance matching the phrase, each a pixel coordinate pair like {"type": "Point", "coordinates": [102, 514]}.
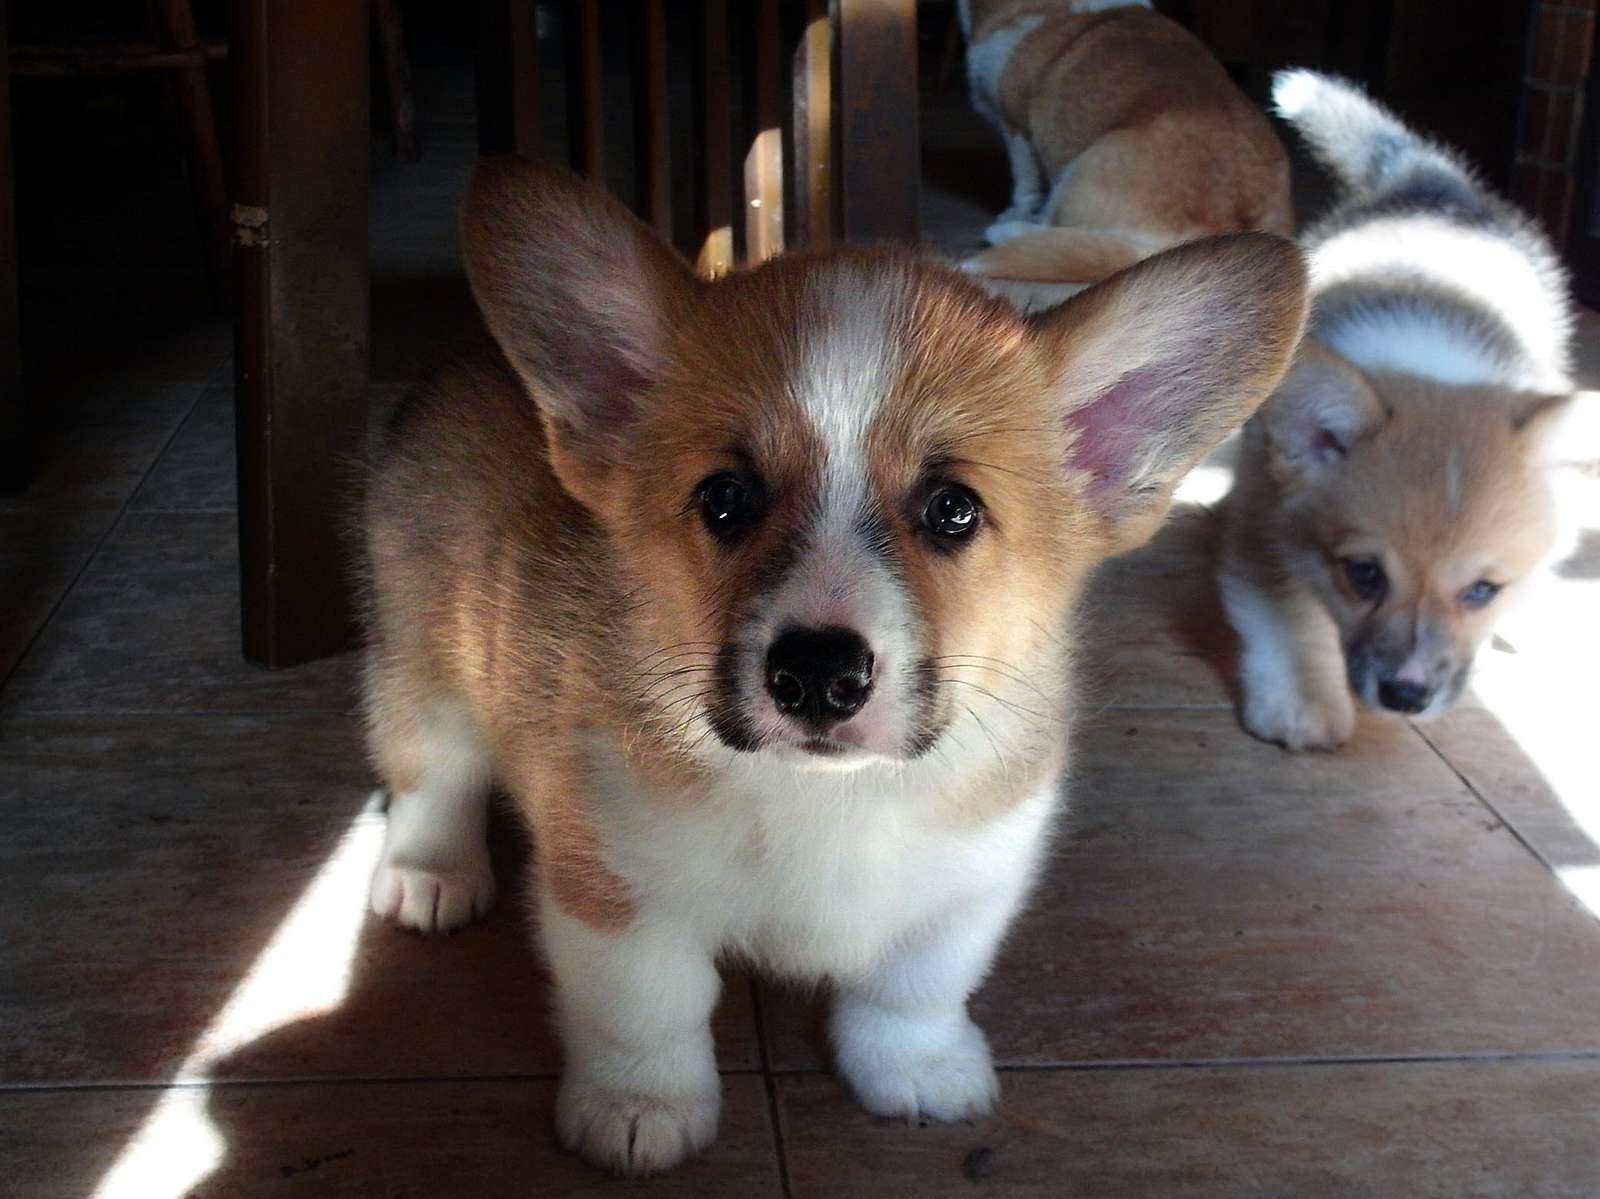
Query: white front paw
{"type": "Point", "coordinates": [936, 1068]}
{"type": "Point", "coordinates": [432, 899]}
{"type": "Point", "coordinates": [1297, 722]}
{"type": "Point", "coordinates": [633, 1133]}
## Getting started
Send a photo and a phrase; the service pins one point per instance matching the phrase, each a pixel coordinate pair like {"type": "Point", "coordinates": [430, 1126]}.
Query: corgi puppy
{"type": "Point", "coordinates": [752, 595]}
{"type": "Point", "coordinates": [1125, 137]}
{"type": "Point", "coordinates": [1394, 495]}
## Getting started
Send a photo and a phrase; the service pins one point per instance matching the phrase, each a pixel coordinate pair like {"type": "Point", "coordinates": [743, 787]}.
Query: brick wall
{"type": "Point", "coordinates": [1560, 47]}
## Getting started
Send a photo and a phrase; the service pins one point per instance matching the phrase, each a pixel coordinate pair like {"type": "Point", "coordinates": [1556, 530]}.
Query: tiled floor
{"type": "Point", "coordinates": [1245, 973]}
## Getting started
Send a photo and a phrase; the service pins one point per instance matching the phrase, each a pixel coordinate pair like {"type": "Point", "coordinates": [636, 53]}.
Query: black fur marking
{"type": "Point", "coordinates": [728, 720]}
{"type": "Point", "coordinates": [930, 725]}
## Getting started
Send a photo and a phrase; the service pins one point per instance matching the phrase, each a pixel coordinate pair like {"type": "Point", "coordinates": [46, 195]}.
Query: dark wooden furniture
{"type": "Point", "coordinates": [13, 401]}
{"type": "Point", "coordinates": [302, 76]}
{"type": "Point", "coordinates": [300, 244]}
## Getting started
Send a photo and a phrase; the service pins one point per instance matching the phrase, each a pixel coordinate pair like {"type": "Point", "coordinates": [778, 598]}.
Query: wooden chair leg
{"type": "Point", "coordinates": [949, 55]}
{"type": "Point", "coordinates": [200, 139]}
{"type": "Point", "coordinates": [875, 45]}
{"type": "Point", "coordinates": [14, 462]}
{"type": "Point", "coordinates": [301, 344]}
{"type": "Point", "coordinates": [397, 72]}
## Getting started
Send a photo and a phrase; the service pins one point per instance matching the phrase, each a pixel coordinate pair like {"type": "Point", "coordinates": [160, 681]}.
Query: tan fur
{"type": "Point", "coordinates": [1446, 484]}
{"type": "Point", "coordinates": [549, 573]}
{"type": "Point", "coordinates": [1158, 144]}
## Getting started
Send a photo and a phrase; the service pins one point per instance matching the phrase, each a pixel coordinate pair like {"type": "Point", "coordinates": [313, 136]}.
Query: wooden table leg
{"type": "Point", "coordinates": [300, 234]}
{"type": "Point", "coordinates": [13, 404]}
{"type": "Point", "coordinates": [200, 140]}
{"type": "Point", "coordinates": [876, 78]}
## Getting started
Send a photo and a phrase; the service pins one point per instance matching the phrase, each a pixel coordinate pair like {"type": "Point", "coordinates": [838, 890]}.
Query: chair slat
{"type": "Point", "coordinates": [652, 116]}
{"type": "Point", "coordinates": [714, 141]}
{"type": "Point", "coordinates": [813, 156]}
{"type": "Point", "coordinates": [763, 162]}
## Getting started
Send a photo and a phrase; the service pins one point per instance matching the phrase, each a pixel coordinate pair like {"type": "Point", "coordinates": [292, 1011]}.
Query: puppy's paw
{"type": "Point", "coordinates": [436, 898]}
{"type": "Point", "coordinates": [900, 1066]}
{"type": "Point", "coordinates": [1008, 228]}
{"type": "Point", "coordinates": [1301, 723]}
{"type": "Point", "coordinates": [635, 1134]}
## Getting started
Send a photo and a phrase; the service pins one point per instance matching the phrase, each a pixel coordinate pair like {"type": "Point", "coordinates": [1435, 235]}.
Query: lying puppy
{"type": "Point", "coordinates": [752, 595]}
{"type": "Point", "coordinates": [1125, 135]}
{"type": "Point", "coordinates": [1394, 493]}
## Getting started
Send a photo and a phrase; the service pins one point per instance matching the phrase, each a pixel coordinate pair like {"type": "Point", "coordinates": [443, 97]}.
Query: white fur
{"type": "Point", "coordinates": [838, 579]}
{"type": "Point", "coordinates": [434, 874]}
{"type": "Point", "coordinates": [1418, 342]}
{"type": "Point", "coordinates": [1483, 267]}
{"type": "Point", "coordinates": [1294, 683]}
{"type": "Point", "coordinates": [856, 877]}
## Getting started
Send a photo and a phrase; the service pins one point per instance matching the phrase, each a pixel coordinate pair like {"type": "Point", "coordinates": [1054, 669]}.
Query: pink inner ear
{"type": "Point", "coordinates": [609, 384]}
{"type": "Point", "coordinates": [1116, 428]}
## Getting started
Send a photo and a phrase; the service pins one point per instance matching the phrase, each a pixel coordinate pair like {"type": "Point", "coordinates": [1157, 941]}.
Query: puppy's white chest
{"type": "Point", "coordinates": [813, 876]}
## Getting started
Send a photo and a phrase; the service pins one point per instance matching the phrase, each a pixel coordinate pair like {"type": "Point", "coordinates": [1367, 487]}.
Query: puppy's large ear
{"type": "Point", "coordinates": [579, 294]}
{"type": "Point", "coordinates": [1161, 362]}
{"type": "Point", "coordinates": [1322, 408]}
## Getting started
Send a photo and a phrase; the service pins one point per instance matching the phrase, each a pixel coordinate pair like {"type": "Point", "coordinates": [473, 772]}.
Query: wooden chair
{"type": "Point", "coordinates": [850, 163]}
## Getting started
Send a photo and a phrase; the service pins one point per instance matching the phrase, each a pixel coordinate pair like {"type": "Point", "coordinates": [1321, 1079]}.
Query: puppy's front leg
{"type": "Point", "coordinates": [1291, 667]}
{"type": "Point", "coordinates": [904, 1040]}
{"type": "Point", "coordinates": [639, 1090]}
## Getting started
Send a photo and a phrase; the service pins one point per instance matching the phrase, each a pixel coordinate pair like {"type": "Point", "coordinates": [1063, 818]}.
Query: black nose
{"type": "Point", "coordinates": [820, 676]}
{"type": "Point", "coordinates": [1403, 697]}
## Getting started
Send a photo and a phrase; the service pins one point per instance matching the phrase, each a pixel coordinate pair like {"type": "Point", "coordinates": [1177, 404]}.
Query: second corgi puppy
{"type": "Point", "coordinates": [1125, 135]}
{"type": "Point", "coordinates": [1394, 495]}
{"type": "Point", "coordinates": [753, 596]}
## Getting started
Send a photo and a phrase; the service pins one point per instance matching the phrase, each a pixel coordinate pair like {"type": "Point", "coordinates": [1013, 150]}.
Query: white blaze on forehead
{"type": "Point", "coordinates": [847, 366]}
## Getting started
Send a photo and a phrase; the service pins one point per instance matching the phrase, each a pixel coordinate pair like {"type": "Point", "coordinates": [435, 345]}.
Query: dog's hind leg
{"type": "Point", "coordinates": [1027, 186]}
{"type": "Point", "coordinates": [434, 874]}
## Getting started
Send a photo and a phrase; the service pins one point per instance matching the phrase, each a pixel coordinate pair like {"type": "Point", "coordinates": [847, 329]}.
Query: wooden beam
{"type": "Point", "coordinates": [14, 453]}
{"type": "Point", "coordinates": [586, 91]}
{"type": "Point", "coordinates": [879, 161]}
{"type": "Point", "coordinates": [714, 140]}
{"type": "Point", "coordinates": [527, 129]}
{"type": "Point", "coordinates": [813, 129]}
{"type": "Point", "coordinates": [204, 152]}
{"type": "Point", "coordinates": [763, 161]}
{"type": "Point", "coordinates": [300, 236]}
{"type": "Point", "coordinates": [652, 117]}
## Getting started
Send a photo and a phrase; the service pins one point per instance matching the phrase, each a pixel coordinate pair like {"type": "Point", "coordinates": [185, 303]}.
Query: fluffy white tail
{"type": "Point", "coordinates": [1365, 145]}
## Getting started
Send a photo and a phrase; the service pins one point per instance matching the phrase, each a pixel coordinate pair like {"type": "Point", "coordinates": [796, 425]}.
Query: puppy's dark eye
{"type": "Point", "coordinates": [951, 513]}
{"type": "Point", "coordinates": [728, 505]}
{"type": "Point", "coordinates": [1366, 578]}
{"type": "Point", "coordinates": [1480, 593]}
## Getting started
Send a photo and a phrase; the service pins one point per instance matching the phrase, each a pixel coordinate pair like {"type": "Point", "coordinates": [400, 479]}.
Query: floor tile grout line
{"type": "Point", "coordinates": [1122, 1065]}
{"type": "Point", "coordinates": [1109, 1066]}
{"type": "Point", "coordinates": [100, 542]}
{"type": "Point", "coordinates": [771, 1086]}
{"type": "Point", "coordinates": [1487, 802]}
{"type": "Point", "coordinates": [301, 1080]}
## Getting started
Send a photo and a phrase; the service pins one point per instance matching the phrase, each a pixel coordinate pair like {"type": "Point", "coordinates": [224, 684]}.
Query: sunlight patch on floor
{"type": "Point", "coordinates": [1545, 693]}
{"type": "Point", "coordinates": [304, 971]}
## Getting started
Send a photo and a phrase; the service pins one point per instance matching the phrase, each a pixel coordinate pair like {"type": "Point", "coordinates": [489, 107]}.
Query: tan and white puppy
{"type": "Point", "coordinates": [1125, 135]}
{"type": "Point", "coordinates": [1395, 494]}
{"type": "Point", "coordinates": [753, 596]}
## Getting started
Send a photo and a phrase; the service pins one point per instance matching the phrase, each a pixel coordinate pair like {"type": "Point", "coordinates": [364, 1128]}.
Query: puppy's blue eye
{"type": "Point", "coordinates": [1366, 578]}
{"type": "Point", "coordinates": [951, 512]}
{"type": "Point", "coordinates": [728, 505]}
{"type": "Point", "coordinates": [1480, 593]}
